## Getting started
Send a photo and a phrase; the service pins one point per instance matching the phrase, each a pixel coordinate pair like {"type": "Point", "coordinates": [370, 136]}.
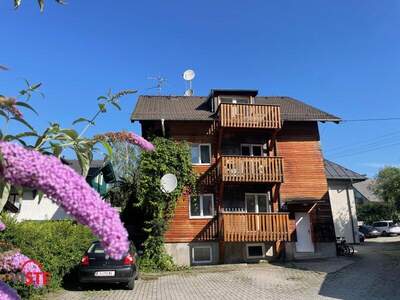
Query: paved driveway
{"type": "Point", "coordinates": [373, 274]}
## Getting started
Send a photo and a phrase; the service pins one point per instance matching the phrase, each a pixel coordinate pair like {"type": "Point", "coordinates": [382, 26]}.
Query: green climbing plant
{"type": "Point", "coordinates": [158, 207]}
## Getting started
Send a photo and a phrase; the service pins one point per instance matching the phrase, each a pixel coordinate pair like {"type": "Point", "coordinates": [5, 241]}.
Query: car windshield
{"type": "Point", "coordinates": [96, 248]}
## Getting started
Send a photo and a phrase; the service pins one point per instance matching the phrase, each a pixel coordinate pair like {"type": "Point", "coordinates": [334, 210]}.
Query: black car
{"type": "Point", "coordinates": [96, 267]}
{"type": "Point", "coordinates": [369, 231]}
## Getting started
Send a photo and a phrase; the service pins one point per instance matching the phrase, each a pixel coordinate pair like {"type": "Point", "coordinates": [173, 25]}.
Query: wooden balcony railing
{"type": "Point", "coordinates": [254, 227]}
{"type": "Point", "coordinates": [251, 169]}
{"type": "Point", "coordinates": [249, 116]}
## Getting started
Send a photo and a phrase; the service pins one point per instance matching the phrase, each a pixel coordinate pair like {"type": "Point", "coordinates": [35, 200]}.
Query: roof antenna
{"type": "Point", "coordinates": [188, 76]}
{"type": "Point", "coordinates": [161, 82]}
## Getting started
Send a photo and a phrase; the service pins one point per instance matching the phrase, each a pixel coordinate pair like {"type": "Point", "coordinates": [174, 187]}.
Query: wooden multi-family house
{"type": "Point", "coordinates": [263, 190]}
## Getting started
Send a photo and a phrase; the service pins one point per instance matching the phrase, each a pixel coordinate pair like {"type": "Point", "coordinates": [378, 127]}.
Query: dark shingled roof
{"type": "Point", "coordinates": [196, 108]}
{"type": "Point", "coordinates": [335, 171]}
{"type": "Point", "coordinates": [366, 189]}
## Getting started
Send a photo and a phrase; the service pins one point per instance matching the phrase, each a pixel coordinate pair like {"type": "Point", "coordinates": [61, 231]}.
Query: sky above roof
{"type": "Point", "coordinates": [340, 56]}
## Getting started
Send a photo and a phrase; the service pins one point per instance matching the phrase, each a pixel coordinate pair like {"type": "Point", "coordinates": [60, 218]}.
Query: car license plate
{"type": "Point", "coordinates": [104, 274]}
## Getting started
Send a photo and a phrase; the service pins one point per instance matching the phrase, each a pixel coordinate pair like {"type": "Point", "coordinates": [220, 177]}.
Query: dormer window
{"type": "Point", "coordinates": [235, 100]}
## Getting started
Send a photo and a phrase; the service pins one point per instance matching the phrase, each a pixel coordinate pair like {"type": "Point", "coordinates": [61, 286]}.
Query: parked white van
{"type": "Point", "coordinates": [387, 228]}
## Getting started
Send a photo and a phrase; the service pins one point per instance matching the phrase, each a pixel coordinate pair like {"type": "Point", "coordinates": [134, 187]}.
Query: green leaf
{"type": "Point", "coordinates": [17, 3]}
{"type": "Point", "coordinates": [10, 137]}
{"type": "Point", "coordinates": [35, 86]}
{"type": "Point", "coordinates": [108, 147]}
{"type": "Point", "coordinates": [84, 161]}
{"type": "Point", "coordinates": [70, 132]}
{"type": "Point", "coordinates": [40, 196]}
{"type": "Point", "coordinates": [102, 107]}
{"type": "Point", "coordinates": [41, 4]}
{"type": "Point", "coordinates": [101, 98]}
{"type": "Point", "coordinates": [3, 114]}
{"type": "Point", "coordinates": [23, 122]}
{"type": "Point", "coordinates": [5, 192]}
{"type": "Point", "coordinates": [26, 105]}
{"type": "Point", "coordinates": [116, 105]}
{"type": "Point", "coordinates": [79, 120]}
{"type": "Point", "coordinates": [56, 148]}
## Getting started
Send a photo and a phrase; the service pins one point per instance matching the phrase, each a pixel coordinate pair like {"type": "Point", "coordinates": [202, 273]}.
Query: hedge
{"type": "Point", "coordinates": [57, 245]}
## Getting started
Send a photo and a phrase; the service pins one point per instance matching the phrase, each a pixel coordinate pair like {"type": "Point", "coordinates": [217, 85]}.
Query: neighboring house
{"type": "Point", "coordinates": [343, 204]}
{"type": "Point", "coordinates": [263, 189]}
{"type": "Point", "coordinates": [29, 207]}
{"type": "Point", "coordinates": [364, 192]}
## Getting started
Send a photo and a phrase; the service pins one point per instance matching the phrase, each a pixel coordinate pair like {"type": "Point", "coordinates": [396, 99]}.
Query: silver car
{"type": "Point", "coordinates": [387, 228]}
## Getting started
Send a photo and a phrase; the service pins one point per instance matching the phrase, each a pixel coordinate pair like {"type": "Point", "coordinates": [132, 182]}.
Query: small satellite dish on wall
{"type": "Point", "coordinates": [169, 183]}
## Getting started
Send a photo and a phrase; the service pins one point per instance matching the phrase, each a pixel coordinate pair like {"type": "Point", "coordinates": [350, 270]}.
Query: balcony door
{"type": "Point", "coordinates": [251, 149]}
{"type": "Point", "coordinates": [256, 203]}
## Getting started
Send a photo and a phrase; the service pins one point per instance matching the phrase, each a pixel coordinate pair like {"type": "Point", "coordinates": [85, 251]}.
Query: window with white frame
{"type": "Point", "coordinates": [255, 250]}
{"type": "Point", "coordinates": [201, 154]}
{"type": "Point", "coordinates": [202, 254]}
{"type": "Point", "coordinates": [235, 100]}
{"type": "Point", "coordinates": [201, 206]}
{"type": "Point", "coordinates": [252, 149]}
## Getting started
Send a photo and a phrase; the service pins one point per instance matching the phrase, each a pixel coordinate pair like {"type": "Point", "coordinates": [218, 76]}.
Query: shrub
{"type": "Point", "coordinates": [57, 245]}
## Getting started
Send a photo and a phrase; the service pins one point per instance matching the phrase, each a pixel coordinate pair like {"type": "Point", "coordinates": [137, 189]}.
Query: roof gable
{"type": "Point", "coordinates": [338, 172]}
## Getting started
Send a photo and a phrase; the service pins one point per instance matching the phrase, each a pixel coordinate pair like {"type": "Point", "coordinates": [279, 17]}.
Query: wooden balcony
{"type": "Point", "coordinates": [249, 116]}
{"type": "Point", "coordinates": [254, 227]}
{"type": "Point", "coordinates": [251, 169]}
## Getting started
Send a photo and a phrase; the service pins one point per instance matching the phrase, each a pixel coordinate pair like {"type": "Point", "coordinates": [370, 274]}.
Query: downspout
{"type": "Point", "coordinates": [350, 211]}
{"type": "Point", "coordinates": [163, 127]}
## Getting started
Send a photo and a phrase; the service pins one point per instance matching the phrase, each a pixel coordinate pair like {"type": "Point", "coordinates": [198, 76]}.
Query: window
{"type": "Point", "coordinates": [201, 154]}
{"type": "Point", "coordinates": [202, 254]}
{"type": "Point", "coordinates": [202, 206]}
{"type": "Point", "coordinates": [240, 100]}
{"type": "Point", "coordinates": [256, 203]}
{"type": "Point", "coordinates": [255, 250]}
{"type": "Point", "coordinates": [252, 149]}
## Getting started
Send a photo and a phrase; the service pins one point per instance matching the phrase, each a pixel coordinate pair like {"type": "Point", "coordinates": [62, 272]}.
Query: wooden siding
{"type": "Point", "coordinates": [249, 115]}
{"type": "Point", "coordinates": [255, 227]}
{"type": "Point", "coordinates": [183, 229]}
{"type": "Point", "coordinates": [304, 173]}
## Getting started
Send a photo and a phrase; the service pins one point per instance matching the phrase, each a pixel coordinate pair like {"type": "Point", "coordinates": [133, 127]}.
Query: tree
{"type": "Point", "coordinates": [387, 186]}
{"type": "Point", "coordinates": [372, 212]}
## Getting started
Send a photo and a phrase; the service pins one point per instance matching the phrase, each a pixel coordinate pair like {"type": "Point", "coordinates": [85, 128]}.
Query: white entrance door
{"type": "Point", "coordinates": [303, 230]}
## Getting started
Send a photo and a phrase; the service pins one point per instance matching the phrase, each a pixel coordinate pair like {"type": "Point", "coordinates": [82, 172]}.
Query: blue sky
{"type": "Point", "coordinates": [341, 56]}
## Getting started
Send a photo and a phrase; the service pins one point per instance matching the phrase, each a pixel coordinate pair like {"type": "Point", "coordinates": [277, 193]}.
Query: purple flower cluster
{"type": "Point", "coordinates": [128, 137]}
{"type": "Point", "coordinates": [7, 293]}
{"type": "Point", "coordinates": [14, 261]}
{"type": "Point", "coordinates": [8, 104]}
{"type": "Point", "coordinates": [2, 226]}
{"type": "Point", "coordinates": [29, 168]}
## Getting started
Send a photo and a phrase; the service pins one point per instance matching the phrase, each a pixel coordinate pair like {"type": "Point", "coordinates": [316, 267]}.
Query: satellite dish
{"type": "Point", "coordinates": [189, 75]}
{"type": "Point", "coordinates": [189, 92]}
{"type": "Point", "coordinates": [168, 183]}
